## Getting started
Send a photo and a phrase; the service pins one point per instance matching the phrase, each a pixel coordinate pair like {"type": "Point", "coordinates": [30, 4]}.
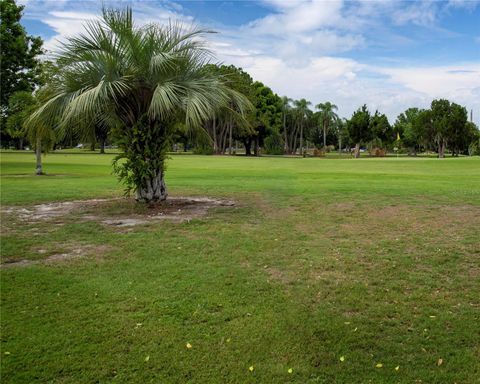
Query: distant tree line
{"type": "Point", "coordinates": [280, 125]}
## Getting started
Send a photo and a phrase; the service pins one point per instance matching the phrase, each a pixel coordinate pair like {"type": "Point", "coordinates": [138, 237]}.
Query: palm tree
{"type": "Point", "coordinates": [40, 135]}
{"type": "Point", "coordinates": [302, 111]}
{"type": "Point", "coordinates": [328, 116]}
{"type": "Point", "coordinates": [341, 125]}
{"type": "Point", "coordinates": [142, 80]}
{"type": "Point", "coordinates": [285, 106]}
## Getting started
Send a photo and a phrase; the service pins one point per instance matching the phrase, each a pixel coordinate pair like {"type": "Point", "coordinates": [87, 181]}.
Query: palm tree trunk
{"type": "Point", "coordinates": [153, 190]}
{"type": "Point", "coordinates": [285, 144]}
{"type": "Point", "coordinates": [38, 156]}
{"type": "Point", "coordinates": [247, 142]}
{"type": "Point", "coordinates": [294, 147]}
{"type": "Point", "coordinates": [230, 137]}
{"type": "Point", "coordinates": [357, 150]}
{"type": "Point", "coordinates": [102, 145]}
{"type": "Point", "coordinates": [325, 124]}
{"type": "Point", "coordinates": [301, 139]}
{"type": "Point", "coordinates": [223, 141]}
{"type": "Point", "coordinates": [441, 149]}
{"type": "Point", "coordinates": [293, 139]}
{"type": "Point", "coordinates": [215, 145]}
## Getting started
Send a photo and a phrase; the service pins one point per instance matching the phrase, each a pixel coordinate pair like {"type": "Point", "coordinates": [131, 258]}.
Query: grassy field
{"type": "Point", "coordinates": [344, 271]}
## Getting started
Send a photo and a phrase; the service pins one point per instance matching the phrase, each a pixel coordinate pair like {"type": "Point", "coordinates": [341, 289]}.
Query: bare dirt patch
{"type": "Point", "coordinates": [278, 275]}
{"type": "Point", "coordinates": [178, 210]}
{"type": "Point", "coordinates": [70, 253]}
{"type": "Point", "coordinates": [118, 212]}
{"type": "Point", "coordinates": [348, 206]}
{"type": "Point", "coordinates": [41, 212]}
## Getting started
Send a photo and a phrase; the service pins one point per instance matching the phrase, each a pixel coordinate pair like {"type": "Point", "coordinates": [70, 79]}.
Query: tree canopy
{"type": "Point", "coordinates": [19, 63]}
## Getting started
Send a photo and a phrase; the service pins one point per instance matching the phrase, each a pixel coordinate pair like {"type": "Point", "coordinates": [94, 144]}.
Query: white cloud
{"type": "Point", "coordinates": [441, 81]}
{"type": "Point", "coordinates": [304, 17]}
{"type": "Point", "coordinates": [466, 4]}
{"type": "Point", "coordinates": [65, 24]}
{"type": "Point", "coordinates": [349, 83]}
{"type": "Point", "coordinates": [419, 13]}
{"type": "Point", "coordinates": [72, 22]}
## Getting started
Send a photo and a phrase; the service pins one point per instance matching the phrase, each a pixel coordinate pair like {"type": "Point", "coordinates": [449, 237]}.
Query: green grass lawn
{"type": "Point", "coordinates": [369, 261]}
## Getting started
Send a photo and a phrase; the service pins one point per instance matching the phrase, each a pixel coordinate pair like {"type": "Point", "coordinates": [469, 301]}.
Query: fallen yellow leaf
{"type": "Point", "coordinates": [440, 362]}
{"type": "Point", "coordinates": [250, 368]}
{"type": "Point", "coordinates": [290, 370]}
{"type": "Point", "coordinates": [379, 365]}
{"type": "Point", "coordinates": [7, 353]}
{"type": "Point", "coordinates": [147, 358]}
{"type": "Point", "coordinates": [342, 359]}
{"type": "Point", "coordinates": [397, 368]}
{"type": "Point", "coordinates": [189, 346]}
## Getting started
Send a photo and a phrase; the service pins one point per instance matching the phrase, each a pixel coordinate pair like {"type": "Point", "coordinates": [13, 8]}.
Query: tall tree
{"type": "Point", "coordinates": [447, 122]}
{"type": "Point", "coordinates": [459, 130]}
{"type": "Point", "coordinates": [285, 107]}
{"type": "Point", "coordinates": [359, 128]}
{"type": "Point", "coordinates": [144, 78]}
{"type": "Point", "coordinates": [19, 64]}
{"type": "Point", "coordinates": [21, 104]}
{"type": "Point", "coordinates": [227, 122]}
{"type": "Point", "coordinates": [342, 133]}
{"type": "Point", "coordinates": [267, 114]}
{"type": "Point", "coordinates": [327, 117]}
{"type": "Point", "coordinates": [302, 111]}
{"type": "Point", "coordinates": [409, 130]}
{"type": "Point", "coordinates": [41, 136]}
{"type": "Point", "coordinates": [473, 139]}
{"type": "Point", "coordinates": [439, 115]}
{"type": "Point", "coordinates": [381, 130]}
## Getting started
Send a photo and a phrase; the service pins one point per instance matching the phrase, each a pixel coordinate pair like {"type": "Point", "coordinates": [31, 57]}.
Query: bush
{"type": "Point", "coordinates": [318, 152]}
{"type": "Point", "coordinates": [203, 149]}
{"type": "Point", "coordinates": [380, 152]}
{"type": "Point", "coordinates": [474, 148]}
{"type": "Point", "coordinates": [274, 144]}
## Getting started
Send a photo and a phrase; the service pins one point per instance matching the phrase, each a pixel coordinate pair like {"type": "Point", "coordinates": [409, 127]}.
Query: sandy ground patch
{"type": "Point", "coordinates": [177, 209]}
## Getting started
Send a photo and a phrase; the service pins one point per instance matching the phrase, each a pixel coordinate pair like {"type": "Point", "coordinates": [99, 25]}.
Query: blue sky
{"type": "Point", "coordinates": [389, 54]}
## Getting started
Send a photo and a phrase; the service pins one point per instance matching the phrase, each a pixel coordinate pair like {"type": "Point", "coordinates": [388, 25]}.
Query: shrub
{"type": "Point", "coordinates": [203, 149]}
{"type": "Point", "coordinates": [318, 152]}
{"type": "Point", "coordinates": [274, 144]}
{"type": "Point", "coordinates": [380, 152]}
{"type": "Point", "coordinates": [474, 148]}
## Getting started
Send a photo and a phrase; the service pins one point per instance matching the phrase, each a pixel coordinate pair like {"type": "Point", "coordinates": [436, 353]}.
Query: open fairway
{"type": "Point", "coordinates": [345, 271]}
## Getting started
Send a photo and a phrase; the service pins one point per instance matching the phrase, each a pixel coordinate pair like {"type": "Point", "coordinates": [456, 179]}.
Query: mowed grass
{"type": "Point", "coordinates": [373, 260]}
